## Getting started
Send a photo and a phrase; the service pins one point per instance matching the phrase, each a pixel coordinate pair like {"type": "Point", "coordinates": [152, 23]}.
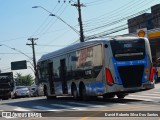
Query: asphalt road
{"type": "Point", "coordinates": [67, 108]}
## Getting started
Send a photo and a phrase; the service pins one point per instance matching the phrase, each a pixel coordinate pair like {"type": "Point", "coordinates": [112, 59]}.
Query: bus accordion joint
{"type": "Point", "coordinates": [109, 78]}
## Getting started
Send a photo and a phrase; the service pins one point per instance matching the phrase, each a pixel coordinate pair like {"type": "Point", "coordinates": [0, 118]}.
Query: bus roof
{"type": "Point", "coordinates": [79, 46]}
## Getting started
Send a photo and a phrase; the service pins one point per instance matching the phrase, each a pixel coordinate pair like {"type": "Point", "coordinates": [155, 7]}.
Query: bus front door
{"type": "Point", "coordinates": [50, 77]}
{"type": "Point", "coordinates": [63, 76]}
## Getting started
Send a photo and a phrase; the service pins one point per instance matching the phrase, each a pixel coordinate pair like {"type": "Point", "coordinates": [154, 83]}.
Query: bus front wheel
{"type": "Point", "coordinates": [46, 94]}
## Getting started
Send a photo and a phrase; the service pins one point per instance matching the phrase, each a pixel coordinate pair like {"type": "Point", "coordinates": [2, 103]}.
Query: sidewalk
{"type": "Point", "coordinates": [157, 85]}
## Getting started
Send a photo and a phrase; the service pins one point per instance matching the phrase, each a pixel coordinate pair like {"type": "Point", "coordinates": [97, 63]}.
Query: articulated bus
{"type": "Point", "coordinates": [114, 67]}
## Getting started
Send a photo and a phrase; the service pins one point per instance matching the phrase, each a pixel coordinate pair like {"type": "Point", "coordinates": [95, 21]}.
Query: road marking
{"type": "Point", "coordinates": [82, 104]}
{"type": "Point", "coordinates": [141, 96]}
{"type": "Point", "coordinates": [77, 108]}
{"type": "Point", "coordinates": [156, 86]}
{"type": "Point", "coordinates": [20, 109]}
{"type": "Point", "coordinates": [127, 97]}
{"type": "Point", "coordinates": [87, 104]}
{"type": "Point", "coordinates": [68, 107]}
{"type": "Point", "coordinates": [156, 92]}
{"type": "Point", "coordinates": [121, 104]}
{"type": "Point", "coordinates": [149, 95]}
{"type": "Point", "coordinates": [45, 108]}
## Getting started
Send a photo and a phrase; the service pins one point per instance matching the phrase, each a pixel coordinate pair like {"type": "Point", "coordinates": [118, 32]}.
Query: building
{"type": "Point", "coordinates": [156, 15]}
{"type": "Point", "coordinates": [141, 21]}
{"type": "Point", "coordinates": [150, 21]}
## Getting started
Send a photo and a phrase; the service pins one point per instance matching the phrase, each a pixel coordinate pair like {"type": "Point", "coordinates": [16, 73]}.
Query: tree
{"type": "Point", "coordinates": [26, 80]}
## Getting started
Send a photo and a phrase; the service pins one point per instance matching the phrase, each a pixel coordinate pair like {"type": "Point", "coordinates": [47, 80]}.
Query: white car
{"type": "Point", "coordinates": [22, 91]}
{"type": "Point", "coordinates": [33, 91]}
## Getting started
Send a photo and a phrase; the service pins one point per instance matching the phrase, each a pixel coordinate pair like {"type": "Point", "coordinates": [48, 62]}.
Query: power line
{"type": "Point", "coordinates": [112, 13]}
{"type": "Point", "coordinates": [96, 2]}
{"type": "Point", "coordinates": [114, 30]}
{"type": "Point", "coordinates": [51, 45]}
{"type": "Point", "coordinates": [48, 26]}
{"type": "Point", "coordinates": [117, 21]}
{"type": "Point", "coordinates": [25, 53]}
{"type": "Point", "coordinates": [103, 21]}
{"type": "Point", "coordinates": [120, 20]}
{"type": "Point", "coordinates": [12, 39]}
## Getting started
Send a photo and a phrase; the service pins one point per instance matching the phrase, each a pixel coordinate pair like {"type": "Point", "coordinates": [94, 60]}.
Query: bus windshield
{"type": "Point", "coordinates": [128, 50]}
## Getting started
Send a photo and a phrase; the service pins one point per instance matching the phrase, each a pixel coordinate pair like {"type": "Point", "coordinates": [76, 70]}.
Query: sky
{"type": "Point", "coordinates": [19, 21]}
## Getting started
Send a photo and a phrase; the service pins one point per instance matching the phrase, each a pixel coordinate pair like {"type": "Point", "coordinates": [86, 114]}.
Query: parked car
{"type": "Point", "coordinates": [22, 91]}
{"type": "Point", "coordinates": [33, 91]}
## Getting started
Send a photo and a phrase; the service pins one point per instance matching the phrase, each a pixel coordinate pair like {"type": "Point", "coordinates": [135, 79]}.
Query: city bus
{"type": "Point", "coordinates": [112, 67]}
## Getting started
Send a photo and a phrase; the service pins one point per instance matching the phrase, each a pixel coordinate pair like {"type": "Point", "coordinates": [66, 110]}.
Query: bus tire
{"type": "Point", "coordinates": [84, 95]}
{"type": "Point", "coordinates": [46, 94]}
{"type": "Point", "coordinates": [75, 93]}
{"type": "Point", "coordinates": [121, 95]}
{"type": "Point", "coordinates": [107, 96]}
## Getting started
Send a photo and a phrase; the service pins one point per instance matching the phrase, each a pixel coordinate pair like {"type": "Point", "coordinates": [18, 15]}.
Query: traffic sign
{"type": "Point", "coordinates": [142, 32]}
{"type": "Point", "coordinates": [17, 65]}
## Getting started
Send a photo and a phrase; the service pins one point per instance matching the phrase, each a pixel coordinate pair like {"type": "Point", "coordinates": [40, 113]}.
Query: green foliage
{"type": "Point", "coordinates": [26, 80]}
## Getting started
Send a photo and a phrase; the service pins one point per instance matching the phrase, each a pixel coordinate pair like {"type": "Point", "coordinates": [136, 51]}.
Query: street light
{"type": "Point", "coordinates": [19, 52]}
{"type": "Point", "coordinates": [16, 50]}
{"type": "Point", "coordinates": [51, 14]}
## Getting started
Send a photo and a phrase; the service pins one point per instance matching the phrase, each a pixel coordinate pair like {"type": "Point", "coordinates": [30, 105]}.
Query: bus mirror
{"type": "Point", "coordinates": [105, 45]}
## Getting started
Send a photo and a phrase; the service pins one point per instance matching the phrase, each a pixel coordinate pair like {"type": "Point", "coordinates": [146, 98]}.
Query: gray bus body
{"type": "Point", "coordinates": [98, 68]}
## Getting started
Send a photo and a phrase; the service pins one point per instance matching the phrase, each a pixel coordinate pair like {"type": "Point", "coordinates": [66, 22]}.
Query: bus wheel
{"type": "Point", "coordinates": [75, 93]}
{"type": "Point", "coordinates": [121, 95]}
{"type": "Point", "coordinates": [84, 95]}
{"type": "Point", "coordinates": [107, 96]}
{"type": "Point", "coordinates": [46, 94]}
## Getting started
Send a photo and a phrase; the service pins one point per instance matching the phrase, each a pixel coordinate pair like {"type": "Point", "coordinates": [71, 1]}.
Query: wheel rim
{"type": "Point", "coordinates": [75, 94]}
{"type": "Point", "coordinates": [84, 93]}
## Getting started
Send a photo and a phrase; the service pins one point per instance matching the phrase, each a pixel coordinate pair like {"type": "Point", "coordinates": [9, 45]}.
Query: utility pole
{"type": "Point", "coordinates": [79, 5]}
{"type": "Point", "coordinates": [34, 56]}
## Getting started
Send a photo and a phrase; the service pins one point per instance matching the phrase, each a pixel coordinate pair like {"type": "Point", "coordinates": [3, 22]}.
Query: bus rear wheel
{"type": "Point", "coordinates": [84, 95]}
{"type": "Point", "coordinates": [107, 96]}
{"type": "Point", "coordinates": [121, 95]}
{"type": "Point", "coordinates": [74, 93]}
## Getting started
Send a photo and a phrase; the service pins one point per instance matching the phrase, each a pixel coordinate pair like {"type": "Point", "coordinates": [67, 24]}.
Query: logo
{"type": "Point", "coordinates": [131, 63]}
{"type": "Point", "coordinates": [141, 33]}
{"type": "Point", "coordinates": [6, 114]}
